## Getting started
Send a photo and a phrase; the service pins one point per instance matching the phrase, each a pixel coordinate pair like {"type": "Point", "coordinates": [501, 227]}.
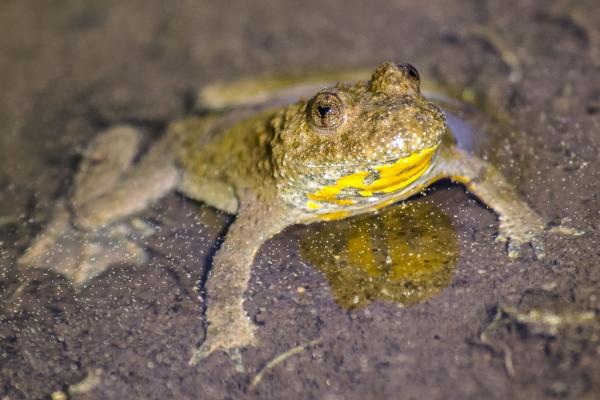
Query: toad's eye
{"type": "Point", "coordinates": [326, 111]}
{"type": "Point", "coordinates": [412, 72]}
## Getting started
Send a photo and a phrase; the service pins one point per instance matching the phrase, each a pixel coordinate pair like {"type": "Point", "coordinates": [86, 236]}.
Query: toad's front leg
{"type": "Point", "coordinates": [229, 327]}
{"type": "Point", "coordinates": [519, 224]}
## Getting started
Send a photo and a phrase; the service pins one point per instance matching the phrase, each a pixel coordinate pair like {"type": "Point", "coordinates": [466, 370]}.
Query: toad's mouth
{"type": "Point", "coordinates": [372, 183]}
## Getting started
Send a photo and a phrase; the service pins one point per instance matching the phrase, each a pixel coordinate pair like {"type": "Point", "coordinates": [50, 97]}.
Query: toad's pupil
{"type": "Point", "coordinates": [323, 110]}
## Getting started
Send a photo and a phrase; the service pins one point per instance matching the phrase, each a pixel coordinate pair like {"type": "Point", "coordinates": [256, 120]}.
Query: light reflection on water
{"type": "Point", "coordinates": [405, 254]}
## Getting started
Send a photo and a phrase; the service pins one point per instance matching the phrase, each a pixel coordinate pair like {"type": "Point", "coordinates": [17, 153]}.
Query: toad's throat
{"type": "Point", "coordinates": [373, 183]}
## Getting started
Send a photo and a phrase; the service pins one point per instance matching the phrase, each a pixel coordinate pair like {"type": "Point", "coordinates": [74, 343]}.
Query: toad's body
{"type": "Point", "coordinates": [350, 149]}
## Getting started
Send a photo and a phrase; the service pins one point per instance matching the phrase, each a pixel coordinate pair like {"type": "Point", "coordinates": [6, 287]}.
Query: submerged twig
{"type": "Point", "coordinates": [279, 359]}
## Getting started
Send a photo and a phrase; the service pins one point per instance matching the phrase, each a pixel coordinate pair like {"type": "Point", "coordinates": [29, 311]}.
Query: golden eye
{"type": "Point", "coordinates": [326, 111]}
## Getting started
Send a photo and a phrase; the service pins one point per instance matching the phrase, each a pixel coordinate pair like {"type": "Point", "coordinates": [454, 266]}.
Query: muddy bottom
{"type": "Point", "coordinates": [335, 320]}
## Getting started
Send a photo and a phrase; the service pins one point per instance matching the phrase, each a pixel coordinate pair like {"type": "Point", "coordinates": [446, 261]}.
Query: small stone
{"type": "Point", "coordinates": [58, 395]}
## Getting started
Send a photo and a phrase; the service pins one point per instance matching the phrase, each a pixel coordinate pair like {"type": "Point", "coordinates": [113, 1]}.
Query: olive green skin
{"type": "Point", "coordinates": [265, 160]}
{"type": "Point", "coordinates": [286, 153]}
{"type": "Point", "coordinates": [380, 120]}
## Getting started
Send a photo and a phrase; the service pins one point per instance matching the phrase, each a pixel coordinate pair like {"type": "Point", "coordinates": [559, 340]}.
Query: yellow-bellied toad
{"type": "Point", "coordinates": [350, 149]}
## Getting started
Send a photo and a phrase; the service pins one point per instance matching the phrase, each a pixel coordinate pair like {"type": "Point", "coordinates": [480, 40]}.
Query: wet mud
{"type": "Point", "coordinates": [476, 324]}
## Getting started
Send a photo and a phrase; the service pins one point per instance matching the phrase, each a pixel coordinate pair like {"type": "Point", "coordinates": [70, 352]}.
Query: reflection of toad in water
{"type": "Point", "coordinates": [405, 254]}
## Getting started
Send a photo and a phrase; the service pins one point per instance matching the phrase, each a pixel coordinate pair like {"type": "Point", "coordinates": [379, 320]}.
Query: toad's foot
{"type": "Point", "coordinates": [530, 229]}
{"type": "Point", "coordinates": [229, 333]}
{"type": "Point", "coordinates": [516, 232]}
{"type": "Point", "coordinates": [94, 228]}
{"type": "Point", "coordinates": [80, 256]}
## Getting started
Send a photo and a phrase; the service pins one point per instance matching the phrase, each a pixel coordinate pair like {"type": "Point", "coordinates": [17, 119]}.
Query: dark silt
{"type": "Point", "coordinates": [494, 328]}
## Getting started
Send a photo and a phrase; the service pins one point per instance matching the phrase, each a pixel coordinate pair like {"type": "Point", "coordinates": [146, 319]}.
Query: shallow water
{"type": "Point", "coordinates": [406, 254]}
{"type": "Point", "coordinates": [69, 71]}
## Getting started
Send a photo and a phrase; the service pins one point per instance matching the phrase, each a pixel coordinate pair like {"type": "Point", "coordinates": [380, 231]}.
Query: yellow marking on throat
{"type": "Point", "coordinates": [390, 178]}
{"type": "Point", "coordinates": [334, 215]}
{"type": "Point", "coordinates": [312, 205]}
